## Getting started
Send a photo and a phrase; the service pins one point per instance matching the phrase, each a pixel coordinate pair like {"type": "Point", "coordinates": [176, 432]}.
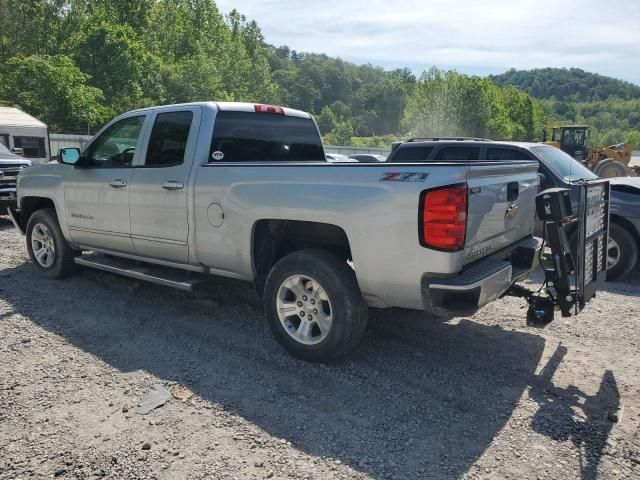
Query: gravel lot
{"type": "Point", "coordinates": [479, 397]}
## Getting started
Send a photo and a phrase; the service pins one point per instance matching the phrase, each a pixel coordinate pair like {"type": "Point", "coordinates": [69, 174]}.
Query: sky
{"type": "Point", "coordinates": [472, 36]}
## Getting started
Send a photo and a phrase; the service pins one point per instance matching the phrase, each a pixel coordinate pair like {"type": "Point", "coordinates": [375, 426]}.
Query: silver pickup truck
{"type": "Point", "coordinates": [171, 194]}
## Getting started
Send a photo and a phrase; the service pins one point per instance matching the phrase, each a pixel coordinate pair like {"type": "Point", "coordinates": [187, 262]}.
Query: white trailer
{"type": "Point", "coordinates": [24, 134]}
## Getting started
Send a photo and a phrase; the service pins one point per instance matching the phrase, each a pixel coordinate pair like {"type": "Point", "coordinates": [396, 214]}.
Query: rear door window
{"type": "Point", "coordinates": [168, 140]}
{"type": "Point", "coordinates": [499, 153]}
{"type": "Point", "coordinates": [410, 154]}
{"type": "Point", "coordinates": [33, 147]}
{"type": "Point", "coordinates": [458, 153]}
{"type": "Point", "coordinates": [264, 137]}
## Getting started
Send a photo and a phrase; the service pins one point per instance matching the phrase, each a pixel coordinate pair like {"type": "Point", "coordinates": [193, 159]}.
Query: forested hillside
{"type": "Point", "coordinates": [610, 106]}
{"type": "Point", "coordinates": [76, 63]}
{"type": "Point", "coordinates": [567, 84]}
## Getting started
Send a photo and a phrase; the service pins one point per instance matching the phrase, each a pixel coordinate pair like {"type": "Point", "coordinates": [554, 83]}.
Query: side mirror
{"type": "Point", "coordinates": [543, 181]}
{"type": "Point", "coordinates": [69, 156]}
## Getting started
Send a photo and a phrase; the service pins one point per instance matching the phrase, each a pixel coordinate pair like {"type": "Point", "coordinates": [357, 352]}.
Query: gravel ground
{"type": "Point", "coordinates": [479, 397]}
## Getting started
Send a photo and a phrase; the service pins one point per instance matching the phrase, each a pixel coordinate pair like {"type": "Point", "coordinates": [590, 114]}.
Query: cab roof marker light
{"type": "Point", "coordinates": [269, 109]}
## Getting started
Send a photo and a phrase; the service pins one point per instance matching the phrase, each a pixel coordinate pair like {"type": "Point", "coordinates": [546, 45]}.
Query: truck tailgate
{"type": "Point", "coordinates": [501, 205]}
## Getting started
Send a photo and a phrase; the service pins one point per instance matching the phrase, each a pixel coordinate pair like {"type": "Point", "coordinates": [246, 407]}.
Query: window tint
{"type": "Point", "coordinates": [458, 153]}
{"type": "Point", "coordinates": [496, 153]}
{"type": "Point", "coordinates": [264, 137]}
{"type": "Point", "coordinates": [33, 147]}
{"type": "Point", "coordinates": [115, 146]}
{"type": "Point", "coordinates": [410, 154]}
{"type": "Point", "coordinates": [562, 164]}
{"type": "Point", "coordinates": [168, 140]}
{"type": "Point", "coordinates": [4, 140]}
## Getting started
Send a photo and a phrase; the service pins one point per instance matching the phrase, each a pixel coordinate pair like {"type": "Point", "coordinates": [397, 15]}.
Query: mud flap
{"type": "Point", "coordinates": [16, 219]}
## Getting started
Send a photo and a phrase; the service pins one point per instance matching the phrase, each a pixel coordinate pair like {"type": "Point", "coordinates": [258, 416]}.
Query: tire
{"type": "Point", "coordinates": [291, 287]}
{"type": "Point", "coordinates": [627, 247]}
{"type": "Point", "coordinates": [610, 168]}
{"type": "Point", "coordinates": [44, 234]}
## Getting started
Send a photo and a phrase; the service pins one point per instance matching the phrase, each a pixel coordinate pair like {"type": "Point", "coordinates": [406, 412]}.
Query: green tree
{"type": "Point", "coordinates": [118, 63]}
{"type": "Point", "coordinates": [228, 55]}
{"type": "Point", "coordinates": [31, 27]}
{"type": "Point", "coordinates": [326, 120]}
{"type": "Point", "coordinates": [341, 135]}
{"type": "Point", "coordinates": [53, 89]}
{"type": "Point", "coordinates": [452, 104]}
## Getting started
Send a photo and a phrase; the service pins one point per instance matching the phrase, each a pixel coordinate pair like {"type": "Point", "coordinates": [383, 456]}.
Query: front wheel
{"type": "Point", "coordinates": [314, 306]}
{"type": "Point", "coordinates": [47, 247]}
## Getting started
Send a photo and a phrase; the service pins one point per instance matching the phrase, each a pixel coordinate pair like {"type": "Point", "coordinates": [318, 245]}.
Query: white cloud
{"type": "Point", "coordinates": [469, 35]}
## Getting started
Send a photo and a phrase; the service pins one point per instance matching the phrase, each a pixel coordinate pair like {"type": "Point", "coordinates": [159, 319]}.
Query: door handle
{"type": "Point", "coordinates": [173, 185]}
{"type": "Point", "coordinates": [117, 183]}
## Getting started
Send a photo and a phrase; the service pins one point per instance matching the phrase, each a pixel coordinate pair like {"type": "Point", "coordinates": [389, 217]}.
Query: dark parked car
{"type": "Point", "coordinates": [368, 158]}
{"type": "Point", "coordinates": [10, 165]}
{"type": "Point", "coordinates": [558, 170]}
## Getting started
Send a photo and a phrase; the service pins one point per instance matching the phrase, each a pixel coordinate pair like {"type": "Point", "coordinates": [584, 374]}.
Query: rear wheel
{"type": "Point", "coordinates": [47, 247]}
{"type": "Point", "coordinates": [314, 306]}
{"type": "Point", "coordinates": [610, 168]}
{"type": "Point", "coordinates": [622, 252]}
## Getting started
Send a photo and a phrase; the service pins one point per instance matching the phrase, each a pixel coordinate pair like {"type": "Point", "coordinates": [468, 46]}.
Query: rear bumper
{"type": "Point", "coordinates": [482, 282]}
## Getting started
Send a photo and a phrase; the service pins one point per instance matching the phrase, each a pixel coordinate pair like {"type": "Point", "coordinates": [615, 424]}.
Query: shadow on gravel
{"type": "Point", "coordinates": [627, 285]}
{"type": "Point", "coordinates": [5, 221]}
{"type": "Point", "coordinates": [570, 414]}
{"type": "Point", "coordinates": [419, 398]}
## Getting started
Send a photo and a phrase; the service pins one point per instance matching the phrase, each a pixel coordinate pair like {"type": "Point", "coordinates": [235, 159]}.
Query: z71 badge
{"type": "Point", "coordinates": [404, 177]}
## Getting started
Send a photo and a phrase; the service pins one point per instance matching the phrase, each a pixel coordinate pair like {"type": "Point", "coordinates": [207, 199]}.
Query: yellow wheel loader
{"type": "Point", "coordinates": [606, 162]}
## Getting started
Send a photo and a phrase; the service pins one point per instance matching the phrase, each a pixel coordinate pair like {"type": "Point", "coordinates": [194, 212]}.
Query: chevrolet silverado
{"type": "Point", "coordinates": [171, 194]}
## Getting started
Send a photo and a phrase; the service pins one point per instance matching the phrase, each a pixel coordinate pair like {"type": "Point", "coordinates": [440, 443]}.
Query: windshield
{"type": "Point", "coordinates": [563, 165]}
{"type": "Point", "coordinates": [4, 149]}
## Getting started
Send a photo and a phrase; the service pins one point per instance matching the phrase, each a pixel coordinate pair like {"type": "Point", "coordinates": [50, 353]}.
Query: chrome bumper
{"type": "Point", "coordinates": [482, 282]}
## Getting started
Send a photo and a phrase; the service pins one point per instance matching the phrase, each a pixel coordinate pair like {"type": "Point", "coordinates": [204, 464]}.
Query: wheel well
{"type": "Point", "coordinates": [30, 204]}
{"type": "Point", "coordinates": [626, 224]}
{"type": "Point", "coordinates": [273, 239]}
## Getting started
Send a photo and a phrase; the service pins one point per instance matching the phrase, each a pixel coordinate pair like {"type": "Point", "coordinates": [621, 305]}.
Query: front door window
{"type": "Point", "coordinates": [116, 146]}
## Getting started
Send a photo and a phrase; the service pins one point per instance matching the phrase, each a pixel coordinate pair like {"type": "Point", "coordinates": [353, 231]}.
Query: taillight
{"type": "Point", "coordinates": [443, 218]}
{"type": "Point", "coordinates": [269, 109]}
